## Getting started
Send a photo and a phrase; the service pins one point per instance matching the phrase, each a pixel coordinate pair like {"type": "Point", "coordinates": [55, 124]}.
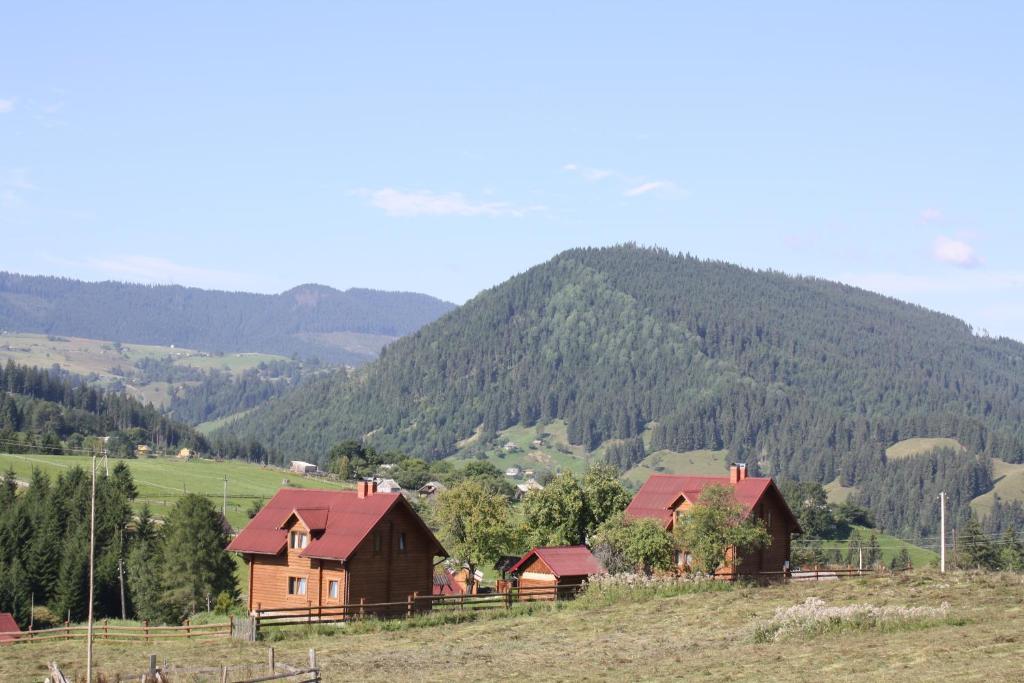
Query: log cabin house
{"type": "Point", "coordinates": [310, 547]}
{"type": "Point", "coordinates": [665, 497]}
{"type": "Point", "coordinates": [555, 568]}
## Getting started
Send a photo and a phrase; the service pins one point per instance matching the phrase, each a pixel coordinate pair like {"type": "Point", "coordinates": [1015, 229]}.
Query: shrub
{"type": "Point", "coordinates": [813, 617]}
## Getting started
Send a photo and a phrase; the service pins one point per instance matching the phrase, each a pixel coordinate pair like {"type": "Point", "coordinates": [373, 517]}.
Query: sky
{"type": "Point", "coordinates": [442, 147]}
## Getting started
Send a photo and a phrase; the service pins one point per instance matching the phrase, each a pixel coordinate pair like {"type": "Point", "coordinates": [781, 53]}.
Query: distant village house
{"type": "Point", "coordinates": [302, 467]}
{"type": "Point", "coordinates": [561, 569]}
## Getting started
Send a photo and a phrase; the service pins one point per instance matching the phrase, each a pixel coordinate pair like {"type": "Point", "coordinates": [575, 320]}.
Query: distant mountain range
{"type": "Point", "coordinates": [310, 320]}
{"type": "Point", "coordinates": [800, 377]}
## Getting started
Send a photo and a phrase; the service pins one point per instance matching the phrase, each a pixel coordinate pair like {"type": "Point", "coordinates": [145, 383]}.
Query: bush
{"type": "Point", "coordinates": [813, 617]}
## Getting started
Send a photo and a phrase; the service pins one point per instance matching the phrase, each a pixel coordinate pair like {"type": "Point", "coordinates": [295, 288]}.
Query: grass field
{"type": "Point", "coordinates": [837, 493]}
{"type": "Point", "coordinates": [1009, 479]}
{"type": "Point", "coordinates": [702, 636]}
{"type": "Point", "coordinates": [161, 481]}
{"type": "Point", "coordinates": [544, 457]}
{"type": "Point", "coordinates": [890, 545]}
{"type": "Point", "coordinates": [919, 446]}
{"type": "Point", "coordinates": [208, 427]}
{"type": "Point", "coordinates": [95, 356]}
{"type": "Point", "coordinates": [701, 462]}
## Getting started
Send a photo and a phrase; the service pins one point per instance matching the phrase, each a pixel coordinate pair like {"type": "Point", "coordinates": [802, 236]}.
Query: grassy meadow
{"type": "Point", "coordinates": [554, 454]}
{"type": "Point", "coordinates": [95, 356]}
{"type": "Point", "coordinates": [700, 462]}
{"type": "Point", "coordinates": [642, 636]}
{"type": "Point", "coordinates": [161, 481]}
{"type": "Point", "coordinates": [908, 448]}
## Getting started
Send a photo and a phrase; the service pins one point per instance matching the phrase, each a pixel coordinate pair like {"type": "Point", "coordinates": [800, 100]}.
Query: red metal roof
{"type": "Point", "coordinates": [566, 560]}
{"type": "Point", "coordinates": [658, 495]}
{"type": "Point", "coordinates": [344, 518]}
{"type": "Point", "coordinates": [8, 625]}
{"type": "Point", "coordinates": [315, 519]}
{"type": "Point", "coordinates": [445, 583]}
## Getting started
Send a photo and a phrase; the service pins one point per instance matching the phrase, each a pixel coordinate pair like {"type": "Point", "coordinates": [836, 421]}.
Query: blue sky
{"type": "Point", "coordinates": [442, 147]}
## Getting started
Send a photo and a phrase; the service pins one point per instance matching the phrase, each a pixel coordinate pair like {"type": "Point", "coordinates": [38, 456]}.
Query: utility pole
{"type": "Point", "coordinates": [224, 510]}
{"type": "Point", "coordinates": [120, 572]}
{"type": "Point", "coordinates": [92, 559]}
{"type": "Point", "coordinates": [942, 532]}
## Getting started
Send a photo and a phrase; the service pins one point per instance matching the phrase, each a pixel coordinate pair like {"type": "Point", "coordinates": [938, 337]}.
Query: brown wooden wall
{"type": "Point", "coordinates": [771, 510]}
{"type": "Point", "coordinates": [268, 579]}
{"type": "Point", "coordinates": [388, 574]}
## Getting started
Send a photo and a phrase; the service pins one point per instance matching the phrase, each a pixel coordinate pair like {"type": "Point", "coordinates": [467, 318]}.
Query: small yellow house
{"type": "Point", "coordinates": [185, 453]}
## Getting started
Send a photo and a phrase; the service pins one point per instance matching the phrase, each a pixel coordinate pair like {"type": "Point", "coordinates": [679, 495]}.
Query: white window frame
{"type": "Point", "coordinates": [333, 589]}
{"type": "Point", "coordinates": [297, 540]}
{"type": "Point", "coordinates": [296, 585]}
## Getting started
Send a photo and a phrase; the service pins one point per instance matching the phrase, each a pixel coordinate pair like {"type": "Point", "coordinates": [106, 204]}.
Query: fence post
{"type": "Point", "coordinates": [309, 612]}
{"type": "Point", "coordinates": [224, 674]}
{"type": "Point", "coordinates": [105, 624]}
{"type": "Point", "coordinates": [152, 665]}
{"type": "Point", "coordinates": [270, 660]}
{"type": "Point", "coordinates": [508, 597]}
{"type": "Point", "coordinates": [362, 607]}
{"type": "Point", "coordinates": [408, 611]}
{"type": "Point", "coordinates": [312, 658]}
{"type": "Point", "coordinates": [67, 630]}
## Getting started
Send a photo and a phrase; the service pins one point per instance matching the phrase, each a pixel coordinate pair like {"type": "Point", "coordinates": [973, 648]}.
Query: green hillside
{"type": "Point", "coordinates": [310, 320]}
{"type": "Point", "coordinates": [540, 448]}
{"type": "Point", "coordinates": [799, 377]}
{"type": "Point", "coordinates": [161, 481]}
{"type": "Point", "coordinates": [908, 448]}
{"type": "Point", "coordinates": [698, 462]}
{"type": "Point", "coordinates": [1009, 486]}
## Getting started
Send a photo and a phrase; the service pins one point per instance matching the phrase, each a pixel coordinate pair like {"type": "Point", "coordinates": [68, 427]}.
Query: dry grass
{"type": "Point", "coordinates": [705, 636]}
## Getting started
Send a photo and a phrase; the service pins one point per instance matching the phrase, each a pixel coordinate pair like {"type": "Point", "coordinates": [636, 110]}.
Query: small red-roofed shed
{"type": "Point", "coordinates": [554, 567]}
{"type": "Point", "coordinates": [8, 628]}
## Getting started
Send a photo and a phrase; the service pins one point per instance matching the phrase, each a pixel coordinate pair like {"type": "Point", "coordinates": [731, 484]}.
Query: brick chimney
{"type": "Point", "coordinates": [366, 488]}
{"type": "Point", "coordinates": [737, 472]}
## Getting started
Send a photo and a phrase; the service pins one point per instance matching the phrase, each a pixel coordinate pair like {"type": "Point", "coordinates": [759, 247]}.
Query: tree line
{"type": "Point", "coordinates": [143, 569]}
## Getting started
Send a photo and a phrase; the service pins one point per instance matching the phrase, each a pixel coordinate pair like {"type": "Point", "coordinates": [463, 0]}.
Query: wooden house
{"type": "Point", "coordinates": [665, 498]}
{"type": "Point", "coordinates": [557, 568]}
{"type": "Point", "coordinates": [310, 547]}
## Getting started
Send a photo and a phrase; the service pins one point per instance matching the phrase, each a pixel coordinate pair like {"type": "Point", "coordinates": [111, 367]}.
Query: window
{"type": "Point", "coordinates": [332, 589]}
{"type": "Point", "coordinates": [298, 540]}
{"type": "Point", "coordinates": [296, 585]}
{"type": "Point", "coordinates": [401, 542]}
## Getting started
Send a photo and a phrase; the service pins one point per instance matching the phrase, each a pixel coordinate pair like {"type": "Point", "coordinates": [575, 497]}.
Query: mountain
{"type": "Point", "coordinates": [48, 411]}
{"type": "Point", "coordinates": [310, 320]}
{"type": "Point", "coordinates": [801, 377]}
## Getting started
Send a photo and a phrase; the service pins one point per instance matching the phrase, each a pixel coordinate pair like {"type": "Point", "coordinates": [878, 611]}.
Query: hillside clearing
{"type": "Point", "coordinates": [161, 481]}
{"type": "Point", "coordinates": [1009, 485]}
{"type": "Point", "coordinates": [653, 639]}
{"type": "Point", "coordinates": [908, 448]}
{"type": "Point", "coordinates": [837, 493]}
{"type": "Point", "coordinates": [699, 462]}
{"type": "Point", "coordinates": [553, 454]}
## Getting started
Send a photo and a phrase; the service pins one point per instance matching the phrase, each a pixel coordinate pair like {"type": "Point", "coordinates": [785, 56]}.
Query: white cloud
{"type": "Point", "coordinates": [652, 186]}
{"type": "Point", "coordinates": [931, 216]}
{"type": "Point", "coordinates": [954, 251]}
{"type": "Point", "coordinates": [426, 203]}
{"type": "Point", "coordinates": [6, 106]}
{"type": "Point", "coordinates": [592, 175]}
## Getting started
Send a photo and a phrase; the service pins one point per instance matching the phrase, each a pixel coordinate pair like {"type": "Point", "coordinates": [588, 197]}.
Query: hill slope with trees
{"type": "Point", "coordinates": [310, 320]}
{"type": "Point", "coordinates": [801, 377]}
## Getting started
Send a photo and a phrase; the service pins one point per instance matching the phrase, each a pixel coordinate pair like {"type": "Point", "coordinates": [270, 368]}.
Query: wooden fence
{"type": "Point", "coordinates": [418, 604]}
{"type": "Point", "coordinates": [104, 631]}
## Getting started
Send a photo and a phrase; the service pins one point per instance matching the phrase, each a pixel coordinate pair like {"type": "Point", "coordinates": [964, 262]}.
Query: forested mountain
{"type": "Point", "coordinates": [44, 411]}
{"type": "Point", "coordinates": [309, 320]}
{"type": "Point", "coordinates": [805, 378]}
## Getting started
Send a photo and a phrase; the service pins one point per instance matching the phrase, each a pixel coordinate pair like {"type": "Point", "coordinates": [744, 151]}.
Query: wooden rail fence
{"type": "Point", "coordinates": [104, 631]}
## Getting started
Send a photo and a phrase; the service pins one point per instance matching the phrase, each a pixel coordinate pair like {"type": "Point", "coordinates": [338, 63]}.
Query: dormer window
{"type": "Point", "coordinates": [298, 540]}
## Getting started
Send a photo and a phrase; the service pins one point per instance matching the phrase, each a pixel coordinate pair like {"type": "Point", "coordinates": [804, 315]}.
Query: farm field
{"type": "Point", "coordinates": [641, 638]}
{"type": "Point", "coordinates": [1009, 485]}
{"type": "Point", "coordinates": [919, 446]}
{"type": "Point", "coordinates": [890, 545]}
{"type": "Point", "coordinates": [699, 462]}
{"type": "Point", "coordinates": [102, 358]}
{"type": "Point", "coordinates": [544, 457]}
{"type": "Point", "coordinates": [161, 481]}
